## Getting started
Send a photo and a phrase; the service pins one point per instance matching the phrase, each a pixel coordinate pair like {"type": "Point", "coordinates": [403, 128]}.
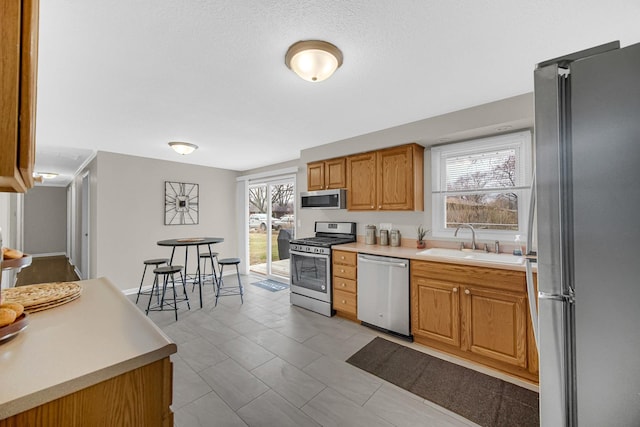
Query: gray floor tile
{"type": "Point", "coordinates": [271, 410]}
{"type": "Point", "coordinates": [348, 380]}
{"type": "Point", "coordinates": [200, 354]}
{"type": "Point", "coordinates": [207, 411]}
{"type": "Point", "coordinates": [284, 347]}
{"type": "Point", "coordinates": [404, 409]}
{"type": "Point", "coordinates": [246, 352]}
{"type": "Point", "coordinates": [234, 384]}
{"type": "Point", "coordinates": [288, 381]}
{"type": "Point", "coordinates": [331, 409]}
{"type": "Point", "coordinates": [187, 384]}
{"type": "Point", "coordinates": [337, 348]}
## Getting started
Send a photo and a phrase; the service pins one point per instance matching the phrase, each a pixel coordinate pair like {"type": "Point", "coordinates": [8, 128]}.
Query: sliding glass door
{"type": "Point", "coordinates": [271, 226]}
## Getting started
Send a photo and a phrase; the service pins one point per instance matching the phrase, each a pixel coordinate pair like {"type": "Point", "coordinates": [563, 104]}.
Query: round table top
{"type": "Point", "coordinates": [191, 241]}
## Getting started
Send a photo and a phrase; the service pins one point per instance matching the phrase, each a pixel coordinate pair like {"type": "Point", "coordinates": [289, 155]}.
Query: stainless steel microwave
{"type": "Point", "coordinates": [325, 199]}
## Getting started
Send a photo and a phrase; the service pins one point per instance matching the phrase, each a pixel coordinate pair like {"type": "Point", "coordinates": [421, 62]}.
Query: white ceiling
{"type": "Point", "coordinates": [128, 76]}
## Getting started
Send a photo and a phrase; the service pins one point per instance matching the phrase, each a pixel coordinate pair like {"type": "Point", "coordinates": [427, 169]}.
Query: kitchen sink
{"type": "Point", "coordinates": [473, 255]}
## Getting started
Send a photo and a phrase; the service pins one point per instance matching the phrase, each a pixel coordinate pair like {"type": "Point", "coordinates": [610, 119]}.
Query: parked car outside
{"type": "Point", "coordinates": [287, 221]}
{"type": "Point", "coordinates": [259, 221]}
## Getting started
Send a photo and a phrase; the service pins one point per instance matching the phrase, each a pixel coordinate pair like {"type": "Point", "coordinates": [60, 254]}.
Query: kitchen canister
{"type": "Point", "coordinates": [395, 237]}
{"type": "Point", "coordinates": [370, 234]}
{"type": "Point", "coordinates": [384, 237]}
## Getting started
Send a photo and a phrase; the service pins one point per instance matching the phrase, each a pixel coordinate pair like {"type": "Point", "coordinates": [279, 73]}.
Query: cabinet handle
{"type": "Point", "coordinates": [371, 206]}
{"type": "Point", "coordinates": [343, 284]}
{"type": "Point", "coordinates": [342, 257]}
{"type": "Point", "coordinates": [455, 289]}
{"type": "Point", "coordinates": [344, 301]}
{"type": "Point", "coordinates": [379, 206]}
{"type": "Point", "coordinates": [467, 291]}
{"type": "Point", "coordinates": [341, 270]}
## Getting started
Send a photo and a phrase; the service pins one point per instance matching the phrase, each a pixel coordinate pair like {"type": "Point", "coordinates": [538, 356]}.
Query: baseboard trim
{"type": "Point", "coordinates": [49, 254]}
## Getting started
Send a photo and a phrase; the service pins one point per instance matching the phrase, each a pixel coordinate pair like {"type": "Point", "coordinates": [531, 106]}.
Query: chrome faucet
{"type": "Point", "coordinates": [473, 234]}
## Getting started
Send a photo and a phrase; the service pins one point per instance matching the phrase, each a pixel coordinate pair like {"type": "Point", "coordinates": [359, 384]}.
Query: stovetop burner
{"type": "Point", "coordinates": [328, 234]}
{"type": "Point", "coordinates": [323, 241]}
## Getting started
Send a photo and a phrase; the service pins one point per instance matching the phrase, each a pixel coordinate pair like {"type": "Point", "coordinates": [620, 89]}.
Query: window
{"type": "Point", "coordinates": [485, 183]}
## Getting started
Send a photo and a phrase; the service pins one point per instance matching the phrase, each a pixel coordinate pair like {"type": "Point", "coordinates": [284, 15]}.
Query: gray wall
{"type": "Point", "coordinates": [127, 212]}
{"type": "Point", "coordinates": [503, 116]}
{"type": "Point", "coordinates": [45, 220]}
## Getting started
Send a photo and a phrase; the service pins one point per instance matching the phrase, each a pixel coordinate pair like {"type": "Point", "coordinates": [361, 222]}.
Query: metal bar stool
{"type": "Point", "coordinates": [229, 291]}
{"type": "Point", "coordinates": [214, 275]}
{"type": "Point", "coordinates": [165, 272]}
{"type": "Point", "coordinates": [155, 262]}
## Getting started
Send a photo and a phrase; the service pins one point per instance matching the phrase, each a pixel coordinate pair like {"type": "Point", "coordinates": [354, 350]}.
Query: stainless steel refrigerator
{"type": "Point", "coordinates": [587, 147]}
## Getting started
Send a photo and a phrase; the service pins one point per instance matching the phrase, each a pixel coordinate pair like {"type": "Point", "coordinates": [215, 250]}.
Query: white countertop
{"type": "Point", "coordinates": [65, 349]}
{"type": "Point", "coordinates": [412, 253]}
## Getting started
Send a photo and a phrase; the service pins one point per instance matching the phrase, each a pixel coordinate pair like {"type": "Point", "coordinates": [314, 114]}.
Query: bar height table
{"type": "Point", "coordinates": [186, 243]}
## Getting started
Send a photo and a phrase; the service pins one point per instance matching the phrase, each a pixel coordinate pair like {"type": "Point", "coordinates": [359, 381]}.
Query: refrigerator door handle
{"type": "Point", "coordinates": [532, 210]}
{"type": "Point", "coordinates": [557, 297]}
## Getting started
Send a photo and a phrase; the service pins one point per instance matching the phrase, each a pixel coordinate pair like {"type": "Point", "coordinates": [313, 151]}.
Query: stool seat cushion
{"type": "Point", "coordinates": [168, 269]}
{"type": "Point", "coordinates": [156, 261]}
{"type": "Point", "coordinates": [229, 261]}
{"type": "Point", "coordinates": [207, 255]}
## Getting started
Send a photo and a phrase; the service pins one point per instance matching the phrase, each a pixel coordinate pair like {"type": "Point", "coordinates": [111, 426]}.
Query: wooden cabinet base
{"type": "Point", "coordinates": [140, 397]}
{"type": "Point", "coordinates": [503, 367]}
{"type": "Point", "coordinates": [348, 316]}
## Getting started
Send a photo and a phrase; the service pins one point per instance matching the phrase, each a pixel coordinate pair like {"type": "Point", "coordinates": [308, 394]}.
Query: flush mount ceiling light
{"type": "Point", "coordinates": [47, 175]}
{"type": "Point", "coordinates": [183, 147]}
{"type": "Point", "coordinates": [313, 60]}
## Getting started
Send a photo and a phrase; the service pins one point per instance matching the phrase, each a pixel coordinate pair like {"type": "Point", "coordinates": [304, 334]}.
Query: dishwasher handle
{"type": "Point", "coordinates": [378, 262]}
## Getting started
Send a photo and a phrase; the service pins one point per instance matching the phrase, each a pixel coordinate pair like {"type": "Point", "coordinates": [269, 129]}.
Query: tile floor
{"type": "Point", "coordinates": [267, 363]}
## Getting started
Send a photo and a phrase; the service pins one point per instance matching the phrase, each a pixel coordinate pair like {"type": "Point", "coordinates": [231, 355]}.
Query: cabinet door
{"type": "Point", "coordinates": [494, 324]}
{"type": "Point", "coordinates": [335, 173]}
{"type": "Point", "coordinates": [395, 178]}
{"type": "Point", "coordinates": [315, 176]}
{"type": "Point", "coordinates": [434, 310]}
{"type": "Point", "coordinates": [361, 182]}
{"type": "Point", "coordinates": [18, 61]}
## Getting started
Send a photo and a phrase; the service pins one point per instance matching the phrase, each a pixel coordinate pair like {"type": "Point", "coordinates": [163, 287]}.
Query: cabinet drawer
{"type": "Point", "coordinates": [345, 271]}
{"type": "Point", "coordinates": [343, 257]}
{"type": "Point", "coordinates": [345, 285]}
{"type": "Point", "coordinates": [345, 302]}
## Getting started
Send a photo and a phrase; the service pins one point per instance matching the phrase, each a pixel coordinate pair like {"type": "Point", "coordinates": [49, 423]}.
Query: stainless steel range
{"type": "Point", "coordinates": [311, 265]}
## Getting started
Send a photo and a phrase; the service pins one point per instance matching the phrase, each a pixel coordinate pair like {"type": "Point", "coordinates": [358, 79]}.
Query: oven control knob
{"type": "Point", "coordinates": [324, 287]}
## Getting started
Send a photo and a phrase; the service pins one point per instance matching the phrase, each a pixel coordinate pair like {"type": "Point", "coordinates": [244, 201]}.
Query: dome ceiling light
{"type": "Point", "coordinates": [183, 147]}
{"type": "Point", "coordinates": [313, 60]}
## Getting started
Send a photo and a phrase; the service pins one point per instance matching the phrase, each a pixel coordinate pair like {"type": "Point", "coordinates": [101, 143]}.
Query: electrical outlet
{"type": "Point", "coordinates": [386, 226]}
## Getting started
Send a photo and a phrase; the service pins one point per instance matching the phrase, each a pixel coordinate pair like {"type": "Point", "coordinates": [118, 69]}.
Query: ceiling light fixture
{"type": "Point", "coordinates": [183, 147]}
{"type": "Point", "coordinates": [313, 60]}
{"type": "Point", "coordinates": [47, 175]}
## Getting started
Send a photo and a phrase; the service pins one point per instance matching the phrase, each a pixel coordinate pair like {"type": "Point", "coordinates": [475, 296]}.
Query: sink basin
{"type": "Point", "coordinates": [474, 255]}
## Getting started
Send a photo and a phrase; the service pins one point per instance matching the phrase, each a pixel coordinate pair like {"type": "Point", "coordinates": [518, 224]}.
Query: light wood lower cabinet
{"type": "Point", "coordinates": [140, 397]}
{"type": "Point", "coordinates": [477, 313]}
{"type": "Point", "coordinates": [345, 288]}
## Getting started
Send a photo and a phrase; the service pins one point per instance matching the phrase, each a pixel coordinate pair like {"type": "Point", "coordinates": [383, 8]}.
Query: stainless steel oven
{"type": "Point", "coordinates": [310, 265]}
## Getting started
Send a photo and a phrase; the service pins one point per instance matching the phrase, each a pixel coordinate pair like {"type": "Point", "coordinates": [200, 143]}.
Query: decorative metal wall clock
{"type": "Point", "coordinates": [181, 203]}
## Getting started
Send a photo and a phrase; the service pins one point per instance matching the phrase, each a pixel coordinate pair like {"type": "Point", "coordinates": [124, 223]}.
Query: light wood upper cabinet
{"type": "Point", "coordinates": [18, 62]}
{"type": "Point", "coordinates": [327, 174]}
{"type": "Point", "coordinates": [388, 179]}
{"type": "Point", "coordinates": [361, 179]}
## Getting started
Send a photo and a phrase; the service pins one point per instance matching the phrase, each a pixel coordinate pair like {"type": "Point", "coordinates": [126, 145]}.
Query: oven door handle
{"type": "Point", "coordinates": [309, 254]}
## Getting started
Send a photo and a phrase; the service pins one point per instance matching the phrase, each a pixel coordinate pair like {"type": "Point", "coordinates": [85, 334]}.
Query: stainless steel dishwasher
{"type": "Point", "coordinates": [383, 293]}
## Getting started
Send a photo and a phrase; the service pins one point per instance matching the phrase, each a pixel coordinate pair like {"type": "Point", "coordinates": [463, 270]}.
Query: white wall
{"type": "Point", "coordinates": [127, 210]}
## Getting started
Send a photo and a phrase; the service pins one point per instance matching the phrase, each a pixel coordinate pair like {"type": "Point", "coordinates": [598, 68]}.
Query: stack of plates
{"type": "Point", "coordinates": [43, 296]}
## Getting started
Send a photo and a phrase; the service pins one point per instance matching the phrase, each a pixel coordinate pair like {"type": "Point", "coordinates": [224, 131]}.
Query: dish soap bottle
{"type": "Point", "coordinates": [518, 250]}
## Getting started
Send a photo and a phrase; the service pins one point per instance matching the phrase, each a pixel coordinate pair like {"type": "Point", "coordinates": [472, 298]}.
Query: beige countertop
{"type": "Point", "coordinates": [412, 253]}
{"type": "Point", "coordinates": [68, 348]}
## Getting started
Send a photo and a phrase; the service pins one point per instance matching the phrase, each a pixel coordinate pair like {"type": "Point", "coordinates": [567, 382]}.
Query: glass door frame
{"type": "Point", "coordinates": [270, 183]}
